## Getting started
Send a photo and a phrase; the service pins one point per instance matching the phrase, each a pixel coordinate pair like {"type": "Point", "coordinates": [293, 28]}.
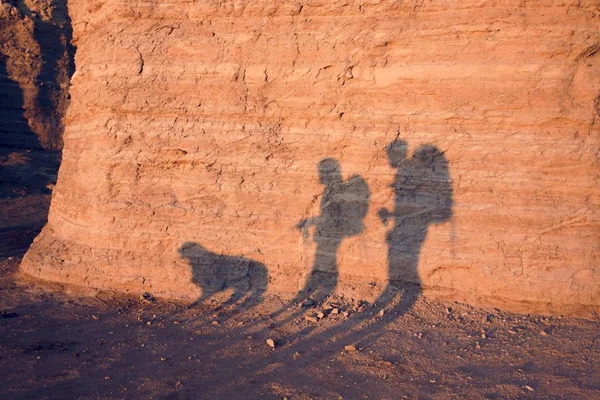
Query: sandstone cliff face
{"type": "Point", "coordinates": [256, 132]}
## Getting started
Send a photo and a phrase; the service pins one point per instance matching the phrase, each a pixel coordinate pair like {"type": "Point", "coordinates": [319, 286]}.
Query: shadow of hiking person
{"type": "Point", "coordinates": [344, 205]}
{"type": "Point", "coordinates": [422, 197]}
{"type": "Point", "coordinates": [343, 208]}
{"type": "Point", "coordinates": [216, 273]}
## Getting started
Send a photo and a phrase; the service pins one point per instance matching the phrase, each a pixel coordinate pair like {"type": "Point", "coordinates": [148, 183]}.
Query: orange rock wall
{"type": "Point", "coordinates": [204, 122]}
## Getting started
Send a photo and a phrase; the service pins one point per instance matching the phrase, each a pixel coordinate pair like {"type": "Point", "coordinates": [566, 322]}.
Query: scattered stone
{"type": "Point", "coordinates": [147, 298]}
{"type": "Point", "coordinates": [308, 303]}
{"type": "Point", "coordinates": [483, 336]}
{"type": "Point", "coordinates": [346, 314]}
{"type": "Point", "coordinates": [335, 311]}
{"type": "Point", "coordinates": [449, 310]}
{"type": "Point", "coordinates": [95, 317]}
{"type": "Point", "coordinates": [350, 347]}
{"type": "Point", "coordinates": [362, 304]}
{"type": "Point", "coordinates": [215, 322]}
{"type": "Point", "coordinates": [543, 333]}
{"type": "Point", "coordinates": [163, 359]}
{"type": "Point", "coordinates": [529, 388]}
{"type": "Point", "coordinates": [271, 343]}
{"type": "Point", "coordinates": [311, 318]}
{"type": "Point", "coordinates": [320, 315]}
{"type": "Point", "coordinates": [381, 313]}
{"type": "Point", "coordinates": [512, 332]}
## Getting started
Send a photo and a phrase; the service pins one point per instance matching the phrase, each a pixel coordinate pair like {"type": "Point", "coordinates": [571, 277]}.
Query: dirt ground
{"type": "Point", "coordinates": [57, 343]}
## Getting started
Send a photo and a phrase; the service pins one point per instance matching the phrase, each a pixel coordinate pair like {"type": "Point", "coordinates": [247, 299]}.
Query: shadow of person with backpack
{"type": "Point", "coordinates": [343, 206]}
{"type": "Point", "coordinates": [422, 197]}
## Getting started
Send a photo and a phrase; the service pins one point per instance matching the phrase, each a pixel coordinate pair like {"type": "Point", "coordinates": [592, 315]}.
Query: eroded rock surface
{"type": "Point", "coordinates": [473, 124]}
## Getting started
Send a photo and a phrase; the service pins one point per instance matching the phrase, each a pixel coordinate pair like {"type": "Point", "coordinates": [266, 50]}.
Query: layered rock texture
{"type": "Point", "coordinates": [332, 146]}
{"type": "Point", "coordinates": [36, 63]}
{"type": "Point", "coordinates": [35, 67]}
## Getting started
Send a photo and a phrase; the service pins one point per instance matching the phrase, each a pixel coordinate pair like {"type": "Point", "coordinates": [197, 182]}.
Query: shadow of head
{"type": "Point", "coordinates": [329, 171]}
{"type": "Point", "coordinates": [215, 273]}
{"type": "Point", "coordinates": [396, 152]}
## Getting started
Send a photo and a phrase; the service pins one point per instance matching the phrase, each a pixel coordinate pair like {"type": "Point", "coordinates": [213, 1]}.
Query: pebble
{"type": "Point", "coordinates": [311, 318]}
{"type": "Point", "coordinates": [147, 298]}
{"type": "Point", "coordinates": [308, 303]}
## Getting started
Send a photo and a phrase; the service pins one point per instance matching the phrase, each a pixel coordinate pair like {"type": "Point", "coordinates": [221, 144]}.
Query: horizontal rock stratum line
{"type": "Point", "coordinates": [332, 146]}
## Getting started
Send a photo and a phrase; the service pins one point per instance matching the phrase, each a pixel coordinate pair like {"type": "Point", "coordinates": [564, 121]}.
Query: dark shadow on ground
{"type": "Point", "coordinates": [215, 273]}
{"type": "Point", "coordinates": [59, 346]}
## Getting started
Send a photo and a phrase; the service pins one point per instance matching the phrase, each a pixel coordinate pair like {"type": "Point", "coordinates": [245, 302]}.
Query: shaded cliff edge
{"type": "Point", "coordinates": [36, 63]}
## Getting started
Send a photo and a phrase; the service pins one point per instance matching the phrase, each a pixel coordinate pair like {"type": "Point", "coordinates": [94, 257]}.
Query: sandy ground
{"type": "Point", "coordinates": [57, 343]}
